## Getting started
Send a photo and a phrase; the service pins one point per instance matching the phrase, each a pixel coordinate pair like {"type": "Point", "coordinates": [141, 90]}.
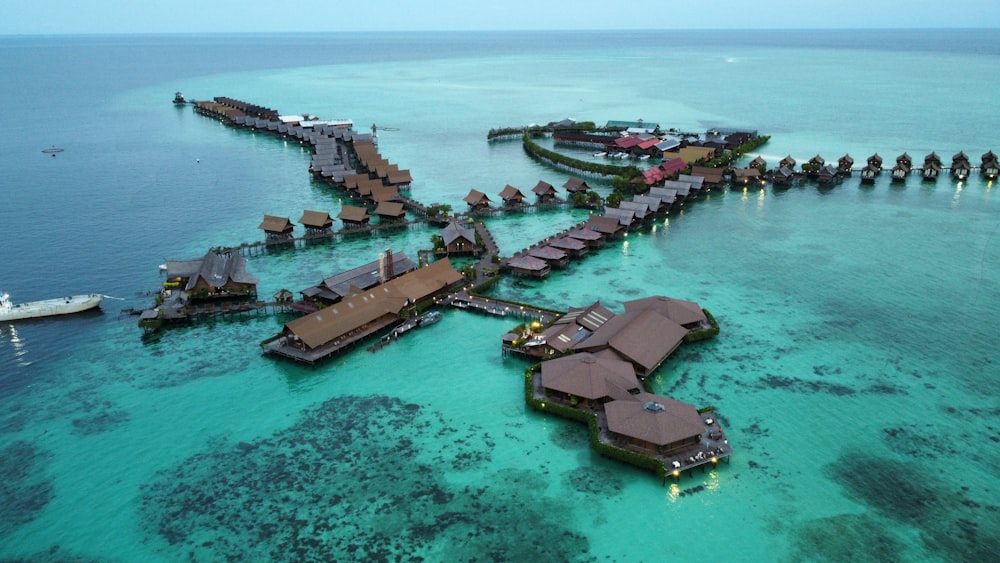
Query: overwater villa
{"type": "Point", "coordinates": [276, 227]}
{"type": "Point", "coordinates": [845, 165]}
{"type": "Point", "coordinates": [477, 201]}
{"type": "Point", "coordinates": [459, 239]}
{"type": "Point", "coordinates": [511, 196]}
{"type": "Point", "coordinates": [316, 221]}
{"type": "Point", "coordinates": [875, 161]}
{"type": "Point", "coordinates": [932, 166]}
{"type": "Point", "coordinates": [782, 176]}
{"type": "Point", "coordinates": [904, 163]}
{"type": "Point", "coordinates": [574, 185]}
{"type": "Point", "coordinates": [990, 166]}
{"type": "Point", "coordinates": [545, 191]}
{"type": "Point", "coordinates": [787, 162]}
{"type": "Point", "coordinates": [554, 257]}
{"type": "Point", "coordinates": [960, 167]}
{"type": "Point", "coordinates": [354, 217]}
{"type": "Point", "coordinates": [528, 266]}
{"type": "Point", "coordinates": [390, 212]}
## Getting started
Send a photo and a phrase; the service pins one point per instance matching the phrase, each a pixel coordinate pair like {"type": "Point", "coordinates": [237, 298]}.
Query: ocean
{"type": "Point", "coordinates": [855, 372]}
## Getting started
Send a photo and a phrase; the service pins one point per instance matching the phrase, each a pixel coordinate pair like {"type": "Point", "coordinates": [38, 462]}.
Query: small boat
{"type": "Point", "coordinates": [53, 150]}
{"type": "Point", "coordinates": [644, 157]}
{"type": "Point", "coordinates": [429, 318]}
{"type": "Point", "coordinates": [179, 98]}
{"type": "Point", "coordinates": [47, 307]}
{"type": "Point", "coordinates": [599, 154]}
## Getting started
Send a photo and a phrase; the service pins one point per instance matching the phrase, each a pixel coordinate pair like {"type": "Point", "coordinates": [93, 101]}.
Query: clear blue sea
{"type": "Point", "coordinates": [856, 371]}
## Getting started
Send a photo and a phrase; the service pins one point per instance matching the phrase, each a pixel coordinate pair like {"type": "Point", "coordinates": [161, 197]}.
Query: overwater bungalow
{"type": "Point", "coordinates": [905, 159]}
{"type": "Point", "coordinates": [654, 204]}
{"type": "Point", "coordinates": [640, 210]}
{"type": "Point", "coordinates": [554, 257]}
{"type": "Point", "coordinates": [625, 217]}
{"type": "Point", "coordinates": [869, 173]}
{"type": "Point", "coordinates": [385, 193]}
{"type": "Point", "coordinates": [990, 166]}
{"type": "Point", "coordinates": [845, 165]}
{"type": "Point", "coordinates": [900, 171]}
{"type": "Point", "coordinates": [478, 201]}
{"type": "Point", "coordinates": [697, 183]}
{"type": "Point", "coordinates": [354, 217]}
{"type": "Point", "coordinates": [459, 239]}
{"type": "Point", "coordinates": [960, 167]}
{"type": "Point", "coordinates": [787, 162]}
{"type": "Point", "coordinates": [511, 196]}
{"type": "Point", "coordinates": [609, 227]}
{"type": "Point", "coordinates": [782, 176]}
{"type": "Point", "coordinates": [682, 189]}
{"type": "Point", "coordinates": [590, 237]}
{"type": "Point", "coordinates": [827, 175]}
{"type": "Point", "coordinates": [746, 176]}
{"type": "Point", "coordinates": [316, 221]}
{"type": "Point", "coordinates": [817, 162]}
{"type": "Point", "coordinates": [390, 212]}
{"type": "Point", "coordinates": [571, 246]}
{"type": "Point", "coordinates": [875, 161]}
{"type": "Point", "coordinates": [668, 196]}
{"type": "Point", "coordinates": [932, 166]}
{"type": "Point", "coordinates": [276, 227]}
{"type": "Point", "coordinates": [401, 179]}
{"type": "Point", "coordinates": [529, 266]}
{"type": "Point", "coordinates": [589, 379]}
{"type": "Point", "coordinates": [574, 185]}
{"type": "Point", "coordinates": [545, 191]}
{"type": "Point", "coordinates": [711, 177]}
{"type": "Point", "coordinates": [759, 163]}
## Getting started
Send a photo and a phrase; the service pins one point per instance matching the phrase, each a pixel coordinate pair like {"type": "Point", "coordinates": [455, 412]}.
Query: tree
{"type": "Point", "coordinates": [613, 199]}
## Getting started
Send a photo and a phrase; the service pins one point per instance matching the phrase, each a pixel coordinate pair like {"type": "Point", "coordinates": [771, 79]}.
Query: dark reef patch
{"type": "Point", "coordinates": [101, 421]}
{"type": "Point", "coordinates": [350, 482]}
{"type": "Point", "coordinates": [24, 491]}
{"type": "Point", "coordinates": [594, 481]}
{"type": "Point", "coordinates": [952, 525]}
{"type": "Point", "coordinates": [798, 385]}
{"type": "Point", "coordinates": [847, 537]}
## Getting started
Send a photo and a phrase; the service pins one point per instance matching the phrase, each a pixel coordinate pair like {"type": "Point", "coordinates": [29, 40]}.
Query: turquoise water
{"type": "Point", "coordinates": [855, 372]}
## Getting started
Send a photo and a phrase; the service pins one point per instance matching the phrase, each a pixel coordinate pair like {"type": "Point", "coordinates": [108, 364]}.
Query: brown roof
{"type": "Point", "coordinates": [543, 188]}
{"type": "Point", "coordinates": [272, 224]}
{"type": "Point", "coordinates": [654, 419]}
{"type": "Point", "coordinates": [383, 168]}
{"type": "Point", "coordinates": [357, 310]}
{"type": "Point", "coordinates": [604, 225]}
{"type": "Point", "coordinates": [585, 234]}
{"type": "Point", "coordinates": [454, 231]}
{"type": "Point", "coordinates": [384, 193]}
{"type": "Point", "coordinates": [529, 263]}
{"type": "Point", "coordinates": [351, 181]}
{"type": "Point", "coordinates": [353, 213]}
{"type": "Point", "coordinates": [390, 209]}
{"type": "Point", "coordinates": [568, 243]}
{"type": "Point", "coordinates": [509, 192]}
{"type": "Point", "coordinates": [477, 197]}
{"type": "Point", "coordinates": [547, 253]}
{"type": "Point", "coordinates": [367, 185]}
{"type": "Point", "coordinates": [680, 311]}
{"type": "Point", "coordinates": [316, 219]}
{"type": "Point", "coordinates": [400, 177]}
{"type": "Point", "coordinates": [574, 185]}
{"type": "Point", "coordinates": [588, 376]}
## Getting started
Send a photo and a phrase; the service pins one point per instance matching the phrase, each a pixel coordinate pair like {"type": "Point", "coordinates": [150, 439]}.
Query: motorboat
{"type": "Point", "coordinates": [47, 307]}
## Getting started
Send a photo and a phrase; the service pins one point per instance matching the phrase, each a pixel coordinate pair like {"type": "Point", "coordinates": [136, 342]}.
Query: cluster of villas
{"type": "Point", "coordinates": [594, 361]}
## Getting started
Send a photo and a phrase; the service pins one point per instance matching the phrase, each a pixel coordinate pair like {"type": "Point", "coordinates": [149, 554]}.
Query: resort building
{"type": "Point", "coordinates": [390, 211]}
{"type": "Point", "coordinates": [219, 274]}
{"type": "Point", "coordinates": [354, 217]}
{"type": "Point", "coordinates": [528, 266]}
{"type": "Point", "coordinates": [845, 164]}
{"type": "Point", "coordinates": [588, 378]}
{"type": "Point", "coordinates": [655, 424]}
{"type": "Point", "coordinates": [711, 177]}
{"type": "Point", "coordinates": [545, 191]}
{"type": "Point", "coordinates": [647, 332]}
{"type": "Point", "coordinates": [552, 256]}
{"type": "Point", "coordinates": [511, 196]}
{"type": "Point", "coordinates": [276, 227]}
{"type": "Point", "coordinates": [316, 221]}
{"type": "Point", "coordinates": [319, 335]}
{"type": "Point", "coordinates": [478, 201]}
{"type": "Point", "coordinates": [574, 185]}
{"type": "Point", "coordinates": [459, 239]}
{"type": "Point", "coordinates": [334, 288]}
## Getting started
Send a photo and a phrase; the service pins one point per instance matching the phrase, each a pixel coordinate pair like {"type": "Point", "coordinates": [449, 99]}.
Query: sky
{"type": "Point", "coordinates": [54, 17]}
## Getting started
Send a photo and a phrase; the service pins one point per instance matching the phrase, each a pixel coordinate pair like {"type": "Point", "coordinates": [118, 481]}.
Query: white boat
{"type": "Point", "coordinates": [47, 307]}
{"type": "Point", "coordinates": [600, 154]}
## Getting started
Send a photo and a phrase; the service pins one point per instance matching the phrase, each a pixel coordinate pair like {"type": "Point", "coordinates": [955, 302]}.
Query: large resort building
{"type": "Point", "coordinates": [319, 335]}
{"type": "Point", "coordinates": [593, 363]}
